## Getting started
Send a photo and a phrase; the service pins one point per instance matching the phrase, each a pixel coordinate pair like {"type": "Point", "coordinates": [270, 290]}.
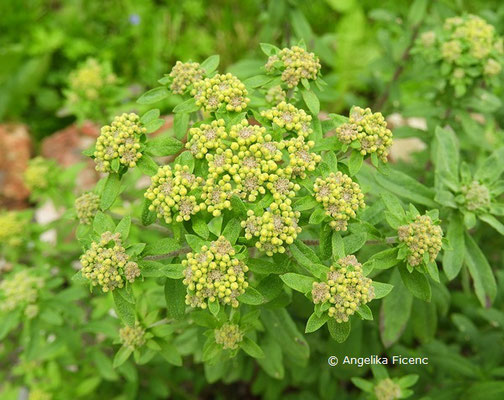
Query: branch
{"type": "Point", "coordinates": [136, 221]}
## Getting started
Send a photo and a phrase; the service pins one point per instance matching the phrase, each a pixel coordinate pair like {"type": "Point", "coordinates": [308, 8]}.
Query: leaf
{"type": "Point", "coordinates": [111, 190]}
{"type": "Point", "coordinates": [273, 364]}
{"type": "Point", "coordinates": [154, 125]}
{"type": "Point", "coordinates": [251, 296]}
{"type": "Point", "coordinates": [492, 168]}
{"type": "Point", "coordinates": [148, 217]}
{"type": "Point", "coordinates": [121, 356]}
{"type": "Point", "coordinates": [417, 283]}
{"type": "Point", "coordinates": [317, 216]}
{"type": "Point", "coordinates": [194, 242]}
{"type": "Point", "coordinates": [314, 323]}
{"type": "Point", "coordinates": [123, 227]}
{"type": "Point", "coordinates": [215, 225]}
{"type": "Point", "coordinates": [417, 11]}
{"type": "Point", "coordinates": [150, 115]}
{"type": "Point", "coordinates": [365, 312]}
{"type": "Point", "coordinates": [103, 223]}
{"type": "Point", "coordinates": [147, 165]}
{"type": "Point", "coordinates": [393, 204]}
{"type": "Point", "coordinates": [269, 49]}
{"type": "Point", "coordinates": [381, 289]}
{"type": "Point", "coordinates": [338, 331]}
{"type": "Point", "coordinates": [154, 95]}
{"type": "Point", "coordinates": [170, 353]}
{"type": "Point", "coordinates": [232, 230]}
{"type": "Point", "coordinates": [447, 158]}
{"type": "Point", "coordinates": [384, 259]}
{"type": "Point", "coordinates": [312, 102]}
{"type": "Point", "coordinates": [164, 145]}
{"type": "Point", "coordinates": [210, 64]}
{"type": "Point", "coordinates": [200, 226]}
{"type": "Point", "coordinates": [453, 258]}
{"type": "Point", "coordinates": [354, 242]}
{"type": "Point", "coordinates": [175, 292]}
{"type": "Point", "coordinates": [251, 348]}
{"type": "Point", "coordinates": [493, 222]}
{"type": "Point", "coordinates": [238, 207]}
{"type": "Point", "coordinates": [162, 246]}
{"type": "Point", "coordinates": [180, 125]}
{"type": "Point", "coordinates": [257, 81]}
{"type": "Point", "coordinates": [298, 282]}
{"type": "Point", "coordinates": [125, 310]}
{"type": "Point", "coordinates": [355, 162]}
{"type": "Point", "coordinates": [214, 307]}
{"type": "Point", "coordinates": [481, 272]}
{"type": "Point", "coordinates": [8, 322]}
{"type": "Point", "coordinates": [186, 107]}
{"type": "Point", "coordinates": [300, 25]}
{"type": "Point", "coordinates": [338, 247]}
{"type": "Point", "coordinates": [185, 158]}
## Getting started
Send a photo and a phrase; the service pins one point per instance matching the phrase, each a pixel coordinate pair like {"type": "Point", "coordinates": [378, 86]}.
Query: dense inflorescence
{"type": "Point", "coordinates": [11, 228]}
{"type": "Point", "coordinates": [476, 195]}
{"type": "Point", "coordinates": [21, 290]}
{"type": "Point", "coordinates": [119, 141]}
{"type": "Point", "coordinates": [290, 118]}
{"type": "Point", "coordinates": [369, 130]}
{"type": "Point", "coordinates": [184, 75]}
{"type": "Point", "coordinates": [87, 81]}
{"type": "Point", "coordinates": [132, 336]}
{"type": "Point", "coordinates": [422, 237]}
{"type": "Point", "coordinates": [170, 193]}
{"type": "Point", "coordinates": [301, 159]}
{"type": "Point", "coordinates": [207, 137]}
{"type": "Point", "coordinates": [221, 90]}
{"type": "Point", "coordinates": [387, 389]}
{"type": "Point", "coordinates": [345, 290]}
{"type": "Point", "coordinates": [107, 264]}
{"type": "Point", "coordinates": [36, 174]}
{"type": "Point", "coordinates": [229, 336]}
{"type": "Point", "coordinates": [214, 274]}
{"type": "Point", "coordinates": [295, 63]}
{"type": "Point", "coordinates": [86, 206]}
{"type": "Point", "coordinates": [275, 95]}
{"type": "Point", "coordinates": [340, 196]}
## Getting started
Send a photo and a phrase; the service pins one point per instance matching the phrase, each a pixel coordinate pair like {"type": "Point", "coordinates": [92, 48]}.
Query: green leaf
{"type": "Point", "coordinates": [354, 242]}
{"type": "Point", "coordinates": [481, 272]}
{"type": "Point", "coordinates": [251, 296]}
{"type": "Point", "coordinates": [147, 165]}
{"type": "Point", "coordinates": [251, 348]}
{"type": "Point", "coordinates": [257, 81]}
{"type": "Point", "coordinates": [210, 64]}
{"type": "Point", "coordinates": [338, 246]}
{"type": "Point", "coordinates": [338, 331]}
{"type": "Point", "coordinates": [214, 307]}
{"type": "Point", "coordinates": [417, 283]}
{"type": "Point", "coordinates": [200, 226]}
{"type": "Point", "coordinates": [162, 246]}
{"type": "Point", "coordinates": [384, 259]}
{"type": "Point", "coordinates": [180, 125]}
{"type": "Point", "coordinates": [123, 227]}
{"type": "Point", "coordinates": [195, 242]}
{"type": "Point", "coordinates": [315, 322]}
{"type": "Point", "coordinates": [155, 125]}
{"type": "Point", "coordinates": [148, 217]}
{"type": "Point", "coordinates": [447, 158]}
{"type": "Point", "coordinates": [164, 145]}
{"type": "Point", "coordinates": [8, 322]}
{"type": "Point", "coordinates": [186, 107]}
{"type": "Point", "coordinates": [269, 49]}
{"type": "Point", "coordinates": [273, 364]}
{"type": "Point", "coordinates": [111, 190]}
{"type": "Point", "coordinates": [121, 356]}
{"type": "Point", "coordinates": [355, 162]}
{"type": "Point", "coordinates": [363, 385]}
{"type": "Point", "coordinates": [238, 207]}
{"type": "Point", "coordinates": [393, 204]}
{"type": "Point", "coordinates": [492, 168]}
{"type": "Point", "coordinates": [232, 230]}
{"type": "Point", "coordinates": [170, 353]}
{"type": "Point", "coordinates": [493, 222]}
{"type": "Point", "coordinates": [300, 25]}
{"type": "Point", "coordinates": [453, 257]}
{"type": "Point", "coordinates": [150, 115]}
{"type": "Point", "coordinates": [317, 216]}
{"type": "Point", "coordinates": [312, 102]}
{"type": "Point", "coordinates": [301, 283]}
{"type": "Point", "coordinates": [103, 223]}
{"type": "Point", "coordinates": [125, 310]}
{"type": "Point", "coordinates": [175, 292]}
{"type": "Point", "coordinates": [381, 289]}
{"type": "Point", "coordinates": [365, 312]}
{"type": "Point", "coordinates": [417, 11]}
{"type": "Point", "coordinates": [154, 95]}
{"type": "Point", "coordinates": [215, 225]}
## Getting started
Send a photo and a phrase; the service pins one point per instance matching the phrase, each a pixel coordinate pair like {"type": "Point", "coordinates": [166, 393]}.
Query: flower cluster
{"type": "Point", "coordinates": [107, 264]}
{"type": "Point", "coordinates": [228, 336]}
{"type": "Point", "coordinates": [301, 159]}
{"type": "Point", "coordinates": [86, 206]}
{"type": "Point", "coordinates": [274, 228]}
{"type": "Point", "coordinates": [290, 118]}
{"type": "Point", "coordinates": [275, 95]}
{"type": "Point", "coordinates": [87, 81]}
{"type": "Point", "coordinates": [295, 63]}
{"type": "Point", "coordinates": [345, 290]}
{"type": "Point", "coordinates": [132, 336]}
{"type": "Point", "coordinates": [221, 90]}
{"type": "Point", "coordinates": [369, 130]}
{"type": "Point", "coordinates": [341, 198]}
{"type": "Point", "coordinates": [214, 274]}
{"type": "Point", "coordinates": [20, 290]}
{"type": "Point", "coordinates": [476, 195]}
{"type": "Point", "coordinates": [36, 174]}
{"type": "Point", "coordinates": [119, 141]}
{"type": "Point", "coordinates": [387, 389]}
{"type": "Point", "coordinates": [11, 228]}
{"type": "Point", "coordinates": [423, 239]}
{"type": "Point", "coordinates": [207, 137]}
{"type": "Point", "coordinates": [184, 75]}
{"type": "Point", "coordinates": [170, 193]}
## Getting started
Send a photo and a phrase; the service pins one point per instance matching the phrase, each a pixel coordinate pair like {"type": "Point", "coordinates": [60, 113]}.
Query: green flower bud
{"type": "Point", "coordinates": [207, 137]}
{"type": "Point", "coordinates": [387, 389]}
{"type": "Point", "coordinates": [290, 118]}
{"type": "Point", "coordinates": [477, 196]}
{"type": "Point", "coordinates": [222, 90]}
{"type": "Point", "coordinates": [39, 394]}
{"type": "Point", "coordinates": [275, 95]}
{"type": "Point", "coordinates": [12, 228]}
{"type": "Point", "coordinates": [229, 336]}
{"type": "Point", "coordinates": [132, 337]}
{"type": "Point", "coordinates": [300, 157]}
{"type": "Point", "coordinates": [20, 290]}
{"type": "Point", "coordinates": [36, 174]}
{"type": "Point", "coordinates": [421, 236]}
{"type": "Point", "coordinates": [184, 75]}
{"type": "Point", "coordinates": [86, 82]}
{"type": "Point", "coordinates": [86, 207]}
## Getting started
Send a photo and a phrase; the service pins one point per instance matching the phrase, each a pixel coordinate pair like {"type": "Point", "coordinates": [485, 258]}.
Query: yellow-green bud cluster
{"type": "Point", "coordinates": [340, 196]}
{"type": "Point", "coordinates": [214, 274]}
{"type": "Point", "coordinates": [275, 228]}
{"type": "Point", "coordinates": [87, 81]}
{"type": "Point", "coordinates": [275, 95]}
{"type": "Point", "coordinates": [296, 64]}
{"type": "Point", "coordinates": [216, 194]}
{"type": "Point", "coordinates": [107, 264]}
{"type": "Point", "coordinates": [11, 228]}
{"type": "Point", "coordinates": [369, 129]}
{"type": "Point", "coordinates": [421, 236]}
{"type": "Point", "coordinates": [229, 336]}
{"type": "Point", "coordinates": [387, 389]}
{"type": "Point", "coordinates": [221, 90]}
{"type": "Point", "coordinates": [20, 290]}
{"type": "Point", "coordinates": [119, 140]}
{"type": "Point", "coordinates": [346, 289]}
{"type": "Point", "coordinates": [36, 174]}
{"type": "Point", "coordinates": [290, 118]}
{"type": "Point", "coordinates": [132, 336]}
{"type": "Point", "coordinates": [170, 193]}
{"type": "Point", "coordinates": [86, 207]}
{"type": "Point", "coordinates": [39, 394]}
{"type": "Point", "coordinates": [477, 196]}
{"type": "Point", "coordinates": [184, 75]}
{"type": "Point", "coordinates": [301, 159]}
{"type": "Point", "coordinates": [207, 137]}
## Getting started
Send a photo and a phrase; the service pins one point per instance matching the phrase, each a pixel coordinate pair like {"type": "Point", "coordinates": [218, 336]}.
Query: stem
{"type": "Point", "coordinates": [136, 221]}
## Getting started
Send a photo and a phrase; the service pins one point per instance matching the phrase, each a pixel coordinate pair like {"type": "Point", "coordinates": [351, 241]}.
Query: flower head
{"type": "Point", "coordinates": [86, 207]}
{"type": "Point", "coordinates": [20, 290]}
{"type": "Point", "coordinates": [222, 90]}
{"type": "Point", "coordinates": [228, 336]}
{"type": "Point", "coordinates": [184, 75]}
{"type": "Point", "coordinates": [422, 238]}
{"type": "Point", "coordinates": [477, 196]}
{"type": "Point", "coordinates": [132, 336]}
